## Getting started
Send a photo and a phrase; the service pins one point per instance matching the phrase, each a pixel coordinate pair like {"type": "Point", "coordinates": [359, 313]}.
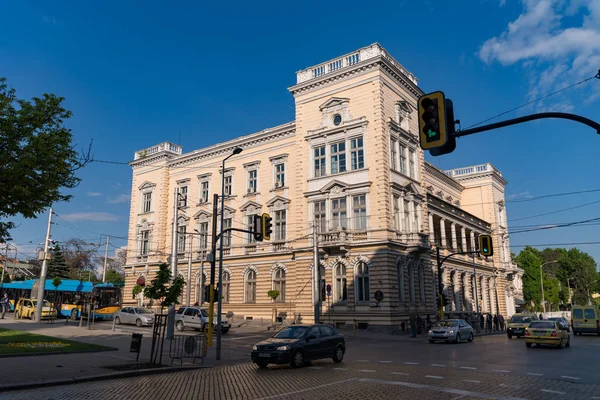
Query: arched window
{"type": "Point", "coordinates": [279, 284]}
{"type": "Point", "coordinates": [341, 289]}
{"type": "Point", "coordinates": [250, 286]}
{"type": "Point", "coordinates": [421, 284]}
{"type": "Point", "coordinates": [401, 295]}
{"type": "Point", "coordinates": [361, 282]}
{"type": "Point", "coordinates": [226, 284]}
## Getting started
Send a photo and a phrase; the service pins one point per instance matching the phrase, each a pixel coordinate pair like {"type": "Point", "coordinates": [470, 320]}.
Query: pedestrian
{"type": "Point", "coordinates": [428, 320]}
{"type": "Point", "coordinates": [501, 321]}
{"type": "Point", "coordinates": [419, 324]}
{"type": "Point", "coordinates": [481, 322]}
{"type": "Point", "coordinates": [196, 304]}
{"type": "Point", "coordinates": [496, 327]}
{"type": "Point", "coordinates": [541, 316]}
{"type": "Point", "coordinates": [489, 322]}
{"type": "Point", "coordinates": [413, 326]}
{"type": "Point", "coordinates": [4, 304]}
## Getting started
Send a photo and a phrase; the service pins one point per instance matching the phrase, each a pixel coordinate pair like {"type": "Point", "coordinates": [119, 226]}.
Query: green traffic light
{"type": "Point", "coordinates": [431, 133]}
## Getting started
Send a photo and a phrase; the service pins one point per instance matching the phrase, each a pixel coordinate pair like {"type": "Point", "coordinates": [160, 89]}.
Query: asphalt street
{"type": "Point", "coordinates": [492, 367]}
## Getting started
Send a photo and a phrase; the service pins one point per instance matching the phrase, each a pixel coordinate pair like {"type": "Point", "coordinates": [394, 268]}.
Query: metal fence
{"type": "Point", "coordinates": [186, 347]}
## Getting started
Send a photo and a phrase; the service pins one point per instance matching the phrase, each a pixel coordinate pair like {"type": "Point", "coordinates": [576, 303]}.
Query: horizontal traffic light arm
{"type": "Point", "coordinates": [457, 253]}
{"type": "Point", "coordinates": [233, 229]}
{"type": "Point", "coordinates": [527, 118]}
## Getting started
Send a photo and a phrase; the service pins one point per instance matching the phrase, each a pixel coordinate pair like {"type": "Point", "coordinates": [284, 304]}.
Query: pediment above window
{"type": "Point", "coordinates": [228, 212]}
{"type": "Point", "coordinates": [404, 114]}
{"type": "Point", "coordinates": [251, 207]}
{"type": "Point", "coordinates": [278, 202]}
{"type": "Point", "coordinates": [202, 215]}
{"type": "Point", "coordinates": [334, 186]}
{"type": "Point", "coordinates": [411, 187]}
{"type": "Point", "coordinates": [147, 185]}
{"type": "Point", "coordinates": [335, 112]}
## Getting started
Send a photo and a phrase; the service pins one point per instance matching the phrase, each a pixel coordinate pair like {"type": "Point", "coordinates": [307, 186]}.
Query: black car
{"type": "Point", "coordinates": [297, 344]}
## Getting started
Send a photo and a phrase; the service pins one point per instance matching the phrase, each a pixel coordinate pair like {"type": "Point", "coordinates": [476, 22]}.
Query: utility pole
{"type": "Point", "coordinates": [316, 271]}
{"type": "Point", "coordinates": [189, 271]}
{"type": "Point", "coordinates": [476, 292]}
{"type": "Point", "coordinates": [42, 282]}
{"type": "Point", "coordinates": [105, 261]}
{"type": "Point", "coordinates": [171, 313]}
{"type": "Point", "coordinates": [213, 265]}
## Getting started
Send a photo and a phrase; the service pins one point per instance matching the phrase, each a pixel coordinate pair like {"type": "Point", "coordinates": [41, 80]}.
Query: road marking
{"type": "Point", "coordinates": [534, 374]}
{"type": "Point", "coordinates": [400, 373]}
{"type": "Point", "coordinates": [387, 362]}
{"type": "Point", "coordinates": [362, 360]}
{"type": "Point", "coordinates": [367, 370]}
{"type": "Point", "coordinates": [243, 337]}
{"type": "Point", "coordinates": [411, 363]}
{"type": "Point", "coordinates": [570, 377]}
{"type": "Point", "coordinates": [340, 369]}
{"type": "Point", "coordinates": [502, 370]}
{"type": "Point", "coordinates": [552, 391]}
{"type": "Point", "coordinates": [468, 368]}
{"type": "Point", "coordinates": [434, 377]}
{"type": "Point", "coordinates": [315, 368]}
{"type": "Point", "coordinates": [438, 365]}
{"type": "Point", "coordinates": [509, 386]}
{"type": "Point", "coordinates": [279, 395]}
{"type": "Point", "coordinates": [471, 381]}
{"type": "Point", "coordinates": [459, 392]}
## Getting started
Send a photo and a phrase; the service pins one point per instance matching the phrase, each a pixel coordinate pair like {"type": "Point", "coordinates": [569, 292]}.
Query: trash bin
{"type": "Point", "coordinates": [136, 344]}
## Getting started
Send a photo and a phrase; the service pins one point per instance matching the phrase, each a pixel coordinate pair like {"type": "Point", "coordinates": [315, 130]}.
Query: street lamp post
{"type": "Point", "coordinates": [236, 151]}
{"type": "Point", "coordinates": [542, 282]}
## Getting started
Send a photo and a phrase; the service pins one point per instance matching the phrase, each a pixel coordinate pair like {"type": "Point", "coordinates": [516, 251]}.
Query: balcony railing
{"type": "Point", "coordinates": [343, 230]}
{"type": "Point", "coordinates": [165, 146]}
{"type": "Point", "coordinates": [475, 169]}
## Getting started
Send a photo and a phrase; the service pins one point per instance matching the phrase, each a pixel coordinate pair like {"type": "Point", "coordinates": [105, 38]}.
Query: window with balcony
{"type": "Point", "coordinates": [147, 202]}
{"type": "Point", "coordinates": [357, 154]}
{"type": "Point", "coordinates": [403, 163]}
{"type": "Point", "coordinates": [183, 195]}
{"type": "Point", "coordinates": [280, 225]}
{"type": "Point", "coordinates": [204, 191]}
{"type": "Point", "coordinates": [250, 224]}
{"type": "Point", "coordinates": [279, 175]}
{"type": "Point", "coordinates": [320, 215]}
{"type": "Point", "coordinates": [338, 157]}
{"type": "Point", "coordinates": [181, 238]}
{"type": "Point", "coordinates": [250, 286]}
{"type": "Point", "coordinates": [202, 235]}
{"type": "Point", "coordinates": [361, 280]}
{"type": "Point", "coordinates": [394, 154]}
{"type": "Point", "coordinates": [227, 183]}
{"type": "Point", "coordinates": [279, 284]}
{"type": "Point", "coordinates": [341, 288]}
{"type": "Point", "coordinates": [320, 160]}
{"type": "Point", "coordinates": [252, 181]}
{"type": "Point", "coordinates": [359, 212]}
{"type": "Point", "coordinates": [227, 223]}
{"type": "Point", "coordinates": [339, 213]}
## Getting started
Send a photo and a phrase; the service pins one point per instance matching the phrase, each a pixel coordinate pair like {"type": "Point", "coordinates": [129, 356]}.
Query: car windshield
{"type": "Point", "coordinates": [520, 319]}
{"type": "Point", "coordinates": [291, 332]}
{"type": "Point", "coordinates": [555, 319]}
{"type": "Point", "coordinates": [143, 311]}
{"type": "Point", "coordinates": [445, 324]}
{"type": "Point", "coordinates": [204, 312]}
{"type": "Point", "coordinates": [542, 325]}
{"type": "Point", "coordinates": [45, 303]}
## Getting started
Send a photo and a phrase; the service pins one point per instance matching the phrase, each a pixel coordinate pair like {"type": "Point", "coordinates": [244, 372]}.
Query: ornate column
{"type": "Point", "coordinates": [484, 293]}
{"type": "Point", "coordinates": [431, 229]}
{"type": "Point", "coordinates": [411, 211]}
{"type": "Point", "coordinates": [472, 241]}
{"type": "Point", "coordinates": [463, 236]}
{"type": "Point", "coordinates": [453, 231]}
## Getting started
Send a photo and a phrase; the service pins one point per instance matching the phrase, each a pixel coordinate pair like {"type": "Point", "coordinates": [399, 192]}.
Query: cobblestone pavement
{"type": "Point", "coordinates": [323, 380]}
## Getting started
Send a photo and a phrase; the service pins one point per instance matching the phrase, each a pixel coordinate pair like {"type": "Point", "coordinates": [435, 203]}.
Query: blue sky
{"type": "Point", "coordinates": [137, 73]}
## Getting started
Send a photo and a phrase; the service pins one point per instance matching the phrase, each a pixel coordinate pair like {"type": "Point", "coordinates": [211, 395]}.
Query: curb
{"type": "Point", "coordinates": [99, 377]}
{"type": "Point", "coordinates": [58, 353]}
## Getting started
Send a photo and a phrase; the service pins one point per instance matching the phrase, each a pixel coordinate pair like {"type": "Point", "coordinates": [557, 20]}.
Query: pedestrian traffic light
{"type": "Point", "coordinates": [433, 130]}
{"type": "Point", "coordinates": [485, 245]}
{"type": "Point", "coordinates": [267, 226]}
{"type": "Point", "coordinates": [257, 228]}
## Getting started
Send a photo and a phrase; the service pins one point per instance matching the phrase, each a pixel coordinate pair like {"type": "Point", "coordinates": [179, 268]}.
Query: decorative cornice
{"type": "Point", "coordinates": [360, 122]}
{"type": "Point", "coordinates": [437, 173]}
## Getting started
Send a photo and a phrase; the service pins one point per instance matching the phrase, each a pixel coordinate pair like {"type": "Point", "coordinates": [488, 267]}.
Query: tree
{"type": "Point", "coordinates": [161, 288]}
{"type": "Point", "coordinates": [57, 265]}
{"type": "Point", "coordinates": [38, 158]}
{"type": "Point", "coordinates": [581, 269]}
{"type": "Point", "coordinates": [80, 258]}
{"type": "Point", "coordinates": [529, 259]}
{"type": "Point", "coordinates": [6, 276]}
{"type": "Point", "coordinates": [114, 276]}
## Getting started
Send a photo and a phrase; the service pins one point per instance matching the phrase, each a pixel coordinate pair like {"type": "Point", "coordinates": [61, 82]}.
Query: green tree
{"type": "Point", "coordinates": [113, 276]}
{"type": "Point", "coordinates": [581, 269]}
{"type": "Point", "coordinates": [529, 259]}
{"type": "Point", "coordinates": [6, 276]}
{"type": "Point", "coordinates": [57, 265]}
{"type": "Point", "coordinates": [38, 158]}
{"type": "Point", "coordinates": [162, 289]}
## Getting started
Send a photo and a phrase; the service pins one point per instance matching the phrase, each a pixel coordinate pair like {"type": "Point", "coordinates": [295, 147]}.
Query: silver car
{"type": "Point", "coordinates": [134, 315]}
{"type": "Point", "coordinates": [197, 318]}
{"type": "Point", "coordinates": [453, 330]}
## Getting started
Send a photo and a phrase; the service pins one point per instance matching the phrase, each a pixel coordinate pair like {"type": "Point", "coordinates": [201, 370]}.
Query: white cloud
{"type": "Point", "coordinates": [90, 216]}
{"type": "Point", "coordinates": [522, 195]}
{"type": "Point", "coordinates": [49, 20]}
{"type": "Point", "coordinates": [553, 53]}
{"type": "Point", "coordinates": [94, 194]}
{"type": "Point", "coordinates": [122, 198]}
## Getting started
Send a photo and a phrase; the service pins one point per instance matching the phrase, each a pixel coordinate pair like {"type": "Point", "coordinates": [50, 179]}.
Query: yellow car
{"type": "Point", "coordinates": [26, 308]}
{"type": "Point", "coordinates": [551, 333]}
{"type": "Point", "coordinates": [518, 323]}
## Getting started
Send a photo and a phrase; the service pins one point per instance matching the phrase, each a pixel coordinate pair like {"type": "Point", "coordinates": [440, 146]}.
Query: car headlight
{"type": "Point", "coordinates": [254, 347]}
{"type": "Point", "coordinates": [430, 332]}
{"type": "Point", "coordinates": [283, 348]}
{"type": "Point", "coordinates": [450, 331]}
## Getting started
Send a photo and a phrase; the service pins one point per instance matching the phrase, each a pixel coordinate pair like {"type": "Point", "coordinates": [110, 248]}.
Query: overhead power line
{"type": "Point", "coordinates": [556, 226]}
{"type": "Point", "coordinates": [555, 244]}
{"type": "Point", "coordinates": [555, 212]}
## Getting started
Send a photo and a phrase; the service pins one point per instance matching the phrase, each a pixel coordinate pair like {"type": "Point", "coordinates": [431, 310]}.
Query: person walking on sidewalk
{"type": "Point", "coordinates": [496, 326]}
{"type": "Point", "coordinates": [4, 304]}
{"type": "Point", "coordinates": [413, 326]}
{"type": "Point", "coordinates": [501, 322]}
{"type": "Point", "coordinates": [481, 322]}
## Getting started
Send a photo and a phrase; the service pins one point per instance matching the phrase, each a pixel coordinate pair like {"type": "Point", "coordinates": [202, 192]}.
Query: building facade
{"type": "Point", "coordinates": [348, 171]}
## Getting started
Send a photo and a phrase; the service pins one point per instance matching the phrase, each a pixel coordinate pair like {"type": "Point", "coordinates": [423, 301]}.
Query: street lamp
{"type": "Point", "coordinates": [542, 282]}
{"type": "Point", "coordinates": [236, 151]}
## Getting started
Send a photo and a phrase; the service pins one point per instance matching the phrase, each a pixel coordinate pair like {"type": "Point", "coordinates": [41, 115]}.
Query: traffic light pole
{"type": "Point", "coordinates": [528, 118]}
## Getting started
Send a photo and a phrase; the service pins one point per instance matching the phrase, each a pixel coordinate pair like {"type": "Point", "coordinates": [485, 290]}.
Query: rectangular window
{"type": "Point", "coordinates": [359, 212]}
{"type": "Point", "coordinates": [320, 216]}
{"type": "Point", "coordinates": [227, 235]}
{"type": "Point", "coordinates": [357, 153]}
{"type": "Point", "coordinates": [280, 224]}
{"type": "Point", "coordinates": [339, 214]}
{"type": "Point", "coordinates": [411, 163]}
{"type": "Point", "coordinates": [406, 217]}
{"type": "Point", "coordinates": [338, 157]}
{"type": "Point", "coordinates": [147, 202]}
{"type": "Point", "coordinates": [394, 154]}
{"type": "Point", "coordinates": [250, 224]}
{"type": "Point", "coordinates": [203, 229]}
{"type": "Point", "coordinates": [252, 181]}
{"type": "Point", "coordinates": [279, 175]}
{"type": "Point", "coordinates": [403, 167]}
{"type": "Point", "coordinates": [416, 218]}
{"type": "Point", "coordinates": [227, 182]}
{"type": "Point", "coordinates": [182, 198]}
{"type": "Point", "coordinates": [145, 243]}
{"type": "Point", "coordinates": [204, 192]}
{"type": "Point", "coordinates": [396, 206]}
{"type": "Point", "coordinates": [181, 239]}
{"type": "Point", "coordinates": [319, 154]}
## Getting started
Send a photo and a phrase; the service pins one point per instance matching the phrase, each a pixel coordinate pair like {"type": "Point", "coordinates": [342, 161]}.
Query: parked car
{"type": "Point", "coordinates": [197, 318]}
{"type": "Point", "coordinates": [297, 344]}
{"type": "Point", "coordinates": [26, 308]}
{"type": "Point", "coordinates": [453, 330]}
{"type": "Point", "coordinates": [561, 320]}
{"type": "Point", "coordinates": [518, 323]}
{"type": "Point", "coordinates": [585, 319]}
{"type": "Point", "coordinates": [139, 316]}
{"type": "Point", "coordinates": [552, 333]}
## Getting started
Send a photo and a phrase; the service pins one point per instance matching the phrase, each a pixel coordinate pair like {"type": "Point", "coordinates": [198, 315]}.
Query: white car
{"type": "Point", "coordinates": [139, 316]}
{"type": "Point", "coordinates": [197, 318]}
{"type": "Point", "coordinates": [454, 330]}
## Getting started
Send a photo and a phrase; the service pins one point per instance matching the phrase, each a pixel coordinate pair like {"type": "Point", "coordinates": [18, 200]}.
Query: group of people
{"type": "Point", "coordinates": [486, 322]}
{"type": "Point", "coordinates": [491, 323]}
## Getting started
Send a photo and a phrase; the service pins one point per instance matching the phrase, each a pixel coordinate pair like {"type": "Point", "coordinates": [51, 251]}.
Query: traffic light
{"type": "Point", "coordinates": [485, 245]}
{"type": "Point", "coordinates": [267, 226]}
{"type": "Point", "coordinates": [450, 145]}
{"type": "Point", "coordinates": [257, 228]}
{"type": "Point", "coordinates": [433, 131]}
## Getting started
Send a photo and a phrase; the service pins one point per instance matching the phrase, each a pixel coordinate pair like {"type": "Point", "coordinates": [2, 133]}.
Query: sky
{"type": "Point", "coordinates": [138, 73]}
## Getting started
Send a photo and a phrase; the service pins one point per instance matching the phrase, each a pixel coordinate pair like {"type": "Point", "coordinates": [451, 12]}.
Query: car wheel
{"type": "Point", "coordinates": [179, 326]}
{"type": "Point", "coordinates": [431, 341]}
{"type": "Point", "coordinates": [568, 344]}
{"type": "Point", "coordinates": [117, 321]}
{"type": "Point", "coordinates": [138, 322]}
{"type": "Point", "coordinates": [528, 345]}
{"type": "Point", "coordinates": [509, 335]}
{"type": "Point", "coordinates": [262, 364]}
{"type": "Point", "coordinates": [297, 359]}
{"type": "Point", "coordinates": [457, 340]}
{"type": "Point", "coordinates": [338, 356]}
{"type": "Point", "coordinates": [470, 337]}
{"type": "Point", "coordinates": [32, 315]}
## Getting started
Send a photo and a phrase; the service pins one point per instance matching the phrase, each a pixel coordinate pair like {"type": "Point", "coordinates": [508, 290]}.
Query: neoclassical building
{"type": "Point", "coordinates": [350, 168]}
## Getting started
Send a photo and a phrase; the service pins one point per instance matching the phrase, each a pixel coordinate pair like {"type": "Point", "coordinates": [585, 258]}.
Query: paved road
{"type": "Point", "coordinates": [492, 367]}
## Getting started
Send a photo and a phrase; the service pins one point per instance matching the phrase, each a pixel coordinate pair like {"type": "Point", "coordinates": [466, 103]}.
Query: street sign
{"type": "Point", "coordinates": [328, 290]}
{"type": "Point", "coordinates": [379, 295]}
